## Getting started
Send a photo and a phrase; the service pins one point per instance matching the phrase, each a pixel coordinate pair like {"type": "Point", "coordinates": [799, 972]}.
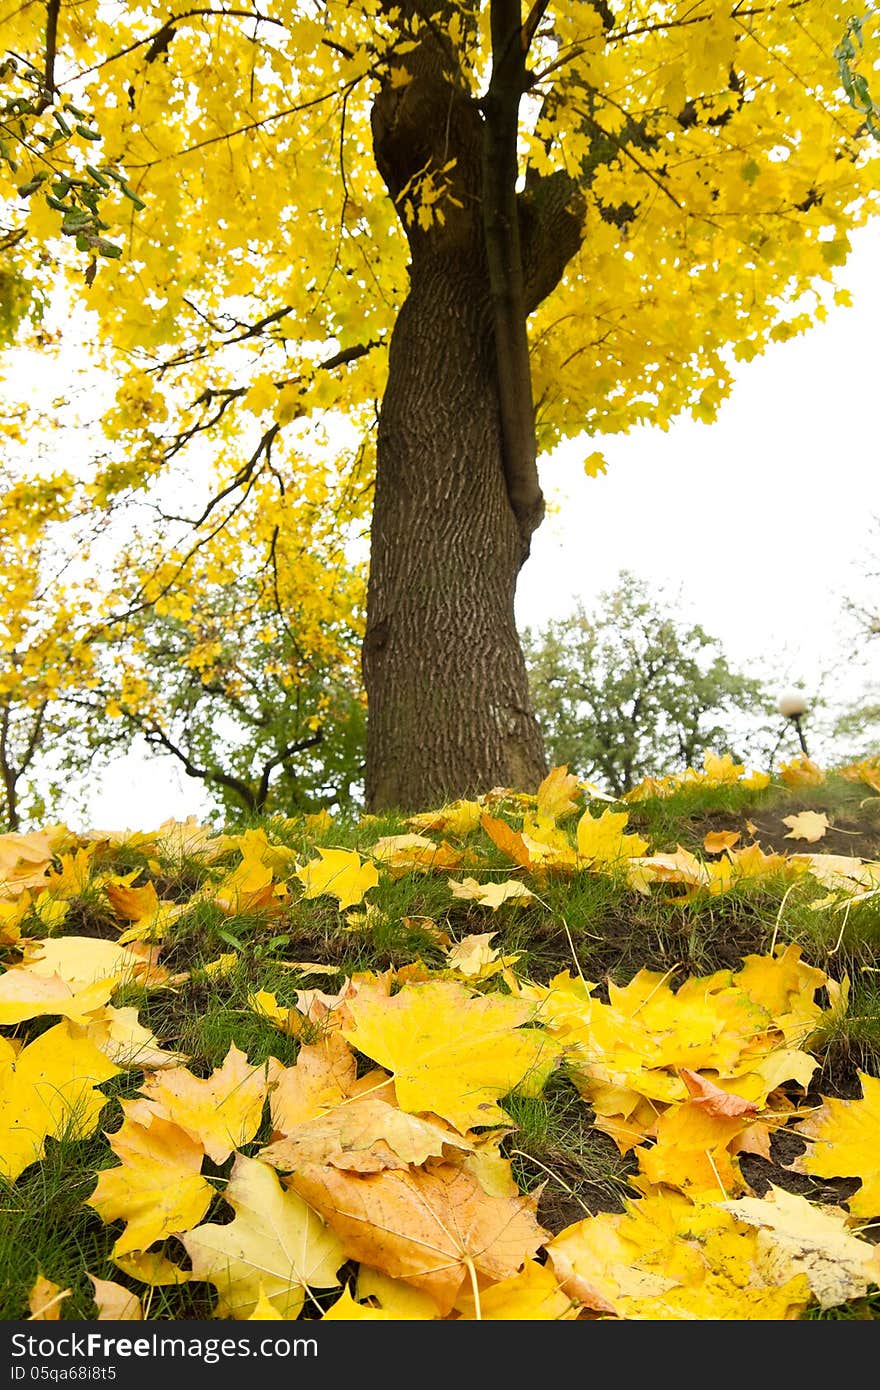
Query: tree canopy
{"type": "Point", "coordinates": [571, 218]}
{"type": "Point", "coordinates": [630, 689]}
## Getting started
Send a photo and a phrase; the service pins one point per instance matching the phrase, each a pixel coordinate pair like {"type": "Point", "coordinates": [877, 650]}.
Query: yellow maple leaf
{"type": "Point", "coordinates": [324, 1075]}
{"type": "Point", "coordinates": [400, 1300]}
{"type": "Point", "coordinates": [807, 825]}
{"type": "Point", "coordinates": [151, 1267]}
{"type": "Point", "coordinates": [720, 771]}
{"type": "Point", "coordinates": [251, 887]}
{"type": "Point", "coordinates": [403, 854]}
{"type": "Point", "coordinates": [158, 1189]}
{"type": "Point", "coordinates": [786, 987]}
{"type": "Point", "coordinates": [796, 1237]}
{"type": "Point", "coordinates": [844, 1141]}
{"type": "Point", "coordinates": [452, 1052]}
{"type": "Point", "coordinates": [509, 841]}
{"type": "Point", "coordinates": [45, 1300]}
{"type": "Point", "coordinates": [558, 794]}
{"type": "Point", "coordinates": [287, 1020]}
{"type": "Point", "coordinates": [264, 1311]}
{"type": "Point", "coordinates": [802, 772]}
{"type": "Point", "coordinates": [48, 1090]}
{"type": "Point", "coordinates": [276, 1248]}
{"type": "Point", "coordinates": [347, 1309]}
{"type": "Point", "coordinates": [489, 894]}
{"type": "Point", "coordinates": [601, 841]}
{"type": "Point", "coordinates": [24, 995]}
{"type": "Point", "coordinates": [121, 1037]}
{"type": "Point", "coordinates": [428, 1226]}
{"type": "Point", "coordinates": [458, 818]}
{"type": "Point", "coordinates": [693, 1152]}
{"type": "Point", "coordinates": [83, 960]}
{"type": "Point", "coordinates": [532, 1295]}
{"type": "Point", "coordinates": [475, 959]}
{"type": "Point", "coordinates": [115, 1301]}
{"type": "Point", "coordinates": [340, 873]}
{"type": "Point", "coordinates": [222, 1111]}
{"type": "Point", "coordinates": [717, 840]}
{"type": "Point", "coordinates": [364, 1134]}
{"type": "Point", "coordinates": [149, 918]}
{"type": "Point", "coordinates": [664, 1258]}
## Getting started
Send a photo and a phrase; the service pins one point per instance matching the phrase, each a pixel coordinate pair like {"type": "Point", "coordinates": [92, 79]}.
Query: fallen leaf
{"type": "Point", "coordinates": [717, 840]}
{"type": "Point", "coordinates": [115, 1301]}
{"type": "Point", "coordinates": [276, 1248]}
{"type": "Point", "coordinates": [601, 841]}
{"type": "Point", "coordinates": [801, 772]}
{"type": "Point", "coordinates": [151, 1267]}
{"type": "Point", "coordinates": [533, 1295]}
{"type": "Point", "coordinates": [458, 818]}
{"type": "Point", "coordinates": [844, 1142]}
{"type": "Point", "coordinates": [489, 894]}
{"type": "Point", "coordinates": [451, 1052]}
{"type": "Point", "coordinates": [714, 1099]}
{"type": "Point", "coordinates": [45, 1300]}
{"type": "Point", "coordinates": [394, 1296]}
{"type": "Point", "coordinates": [221, 1112]}
{"type": "Point", "coordinates": [346, 1309]}
{"type": "Point", "coordinates": [429, 1226]}
{"type": "Point", "coordinates": [340, 873]}
{"type": "Point", "coordinates": [158, 1190]}
{"type": "Point", "coordinates": [807, 825]}
{"type": "Point", "coordinates": [324, 1075]}
{"type": "Point", "coordinates": [558, 794]}
{"type": "Point", "coordinates": [363, 1134]}
{"type": "Point", "coordinates": [796, 1237]}
{"type": "Point", "coordinates": [25, 995]}
{"type": "Point", "coordinates": [50, 1090]}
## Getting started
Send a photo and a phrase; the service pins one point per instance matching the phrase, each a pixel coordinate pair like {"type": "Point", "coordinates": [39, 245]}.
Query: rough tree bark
{"type": "Point", "coordinates": [457, 495]}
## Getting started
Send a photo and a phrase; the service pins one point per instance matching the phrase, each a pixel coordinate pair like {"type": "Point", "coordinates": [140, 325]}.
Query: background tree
{"type": "Point", "coordinates": [632, 690]}
{"type": "Point", "coordinates": [857, 727]}
{"type": "Point", "coordinates": [261, 718]}
{"type": "Point", "coordinates": [507, 223]}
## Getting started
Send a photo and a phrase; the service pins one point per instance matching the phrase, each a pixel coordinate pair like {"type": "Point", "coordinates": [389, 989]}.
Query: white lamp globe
{"type": "Point", "coordinates": [792, 704]}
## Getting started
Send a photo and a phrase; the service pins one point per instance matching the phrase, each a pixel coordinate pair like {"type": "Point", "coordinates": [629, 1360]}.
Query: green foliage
{"type": "Point", "coordinates": [632, 688]}
{"type": "Point", "coordinates": [854, 83]}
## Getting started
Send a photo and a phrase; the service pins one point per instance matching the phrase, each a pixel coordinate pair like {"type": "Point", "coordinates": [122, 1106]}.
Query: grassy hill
{"type": "Point", "coordinates": [537, 1056]}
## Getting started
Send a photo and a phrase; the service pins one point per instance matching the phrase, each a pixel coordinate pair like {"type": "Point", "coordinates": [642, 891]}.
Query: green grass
{"type": "Point", "coordinates": [592, 924]}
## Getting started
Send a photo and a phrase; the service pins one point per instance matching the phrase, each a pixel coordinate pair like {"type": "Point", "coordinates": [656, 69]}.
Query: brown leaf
{"type": "Point", "coordinates": [429, 1226]}
{"type": "Point", "coordinates": [363, 1135]}
{"type": "Point", "coordinates": [712, 1098]}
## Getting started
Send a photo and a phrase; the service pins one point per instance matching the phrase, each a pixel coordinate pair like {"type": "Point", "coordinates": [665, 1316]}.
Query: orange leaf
{"type": "Point", "coordinates": [428, 1226]}
{"type": "Point", "coordinates": [508, 841]}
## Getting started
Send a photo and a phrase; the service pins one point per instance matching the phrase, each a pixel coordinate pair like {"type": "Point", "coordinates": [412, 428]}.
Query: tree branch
{"type": "Point", "coordinates": [157, 737]}
{"type": "Point", "coordinates": [290, 751]}
{"type": "Point", "coordinates": [503, 253]}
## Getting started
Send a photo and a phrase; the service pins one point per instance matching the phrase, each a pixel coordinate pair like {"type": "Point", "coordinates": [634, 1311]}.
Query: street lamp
{"type": "Point", "coordinates": [793, 707]}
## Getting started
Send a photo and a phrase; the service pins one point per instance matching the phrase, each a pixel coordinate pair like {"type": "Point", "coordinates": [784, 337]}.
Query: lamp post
{"type": "Point", "coordinates": [793, 707]}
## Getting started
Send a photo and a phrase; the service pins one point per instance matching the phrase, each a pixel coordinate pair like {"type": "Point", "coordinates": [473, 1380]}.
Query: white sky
{"type": "Point", "coordinates": [762, 520]}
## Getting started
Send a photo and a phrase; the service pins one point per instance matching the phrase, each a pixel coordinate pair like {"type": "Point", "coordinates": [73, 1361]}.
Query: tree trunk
{"type": "Point", "coordinates": [457, 492]}
{"type": "Point", "coordinates": [449, 712]}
